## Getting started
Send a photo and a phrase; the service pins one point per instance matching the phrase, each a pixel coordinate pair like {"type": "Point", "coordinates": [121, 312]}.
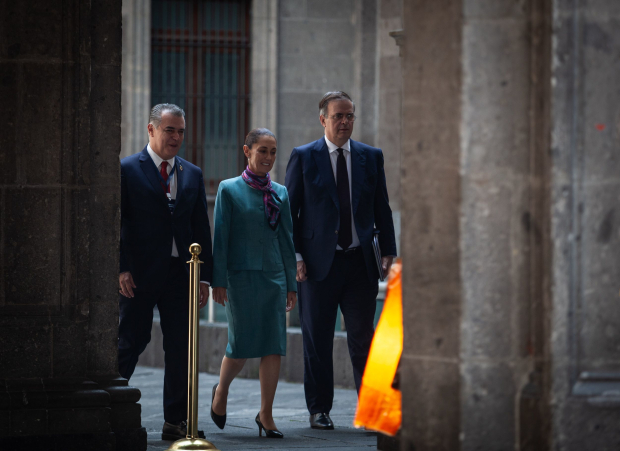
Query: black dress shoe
{"type": "Point", "coordinates": [269, 433]}
{"type": "Point", "coordinates": [219, 420]}
{"type": "Point", "coordinates": [321, 421]}
{"type": "Point", "coordinates": [177, 431]}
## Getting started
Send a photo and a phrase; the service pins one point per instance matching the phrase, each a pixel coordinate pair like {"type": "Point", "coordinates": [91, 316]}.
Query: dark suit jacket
{"type": "Point", "coordinates": [147, 227]}
{"type": "Point", "coordinates": [315, 208]}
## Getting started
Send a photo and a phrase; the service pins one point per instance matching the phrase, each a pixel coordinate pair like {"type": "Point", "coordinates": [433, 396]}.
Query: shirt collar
{"type": "Point", "coordinates": [333, 147]}
{"type": "Point", "coordinates": [157, 159]}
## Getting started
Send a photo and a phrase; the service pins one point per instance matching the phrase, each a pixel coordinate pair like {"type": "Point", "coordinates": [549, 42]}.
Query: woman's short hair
{"type": "Point", "coordinates": [255, 134]}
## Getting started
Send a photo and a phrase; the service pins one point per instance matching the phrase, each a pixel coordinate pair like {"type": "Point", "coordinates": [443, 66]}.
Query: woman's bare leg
{"type": "Point", "coordinates": [269, 372]}
{"type": "Point", "coordinates": [229, 370]}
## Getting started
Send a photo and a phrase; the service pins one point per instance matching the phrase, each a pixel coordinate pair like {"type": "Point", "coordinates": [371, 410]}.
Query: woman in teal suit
{"type": "Point", "coordinates": [254, 274]}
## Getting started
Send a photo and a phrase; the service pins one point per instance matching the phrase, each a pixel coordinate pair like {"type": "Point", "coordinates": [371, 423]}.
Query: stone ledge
{"type": "Point", "coordinates": [594, 384]}
{"type": "Point", "coordinates": [104, 441]}
{"type": "Point", "coordinates": [214, 337]}
{"type": "Point", "coordinates": [50, 414]}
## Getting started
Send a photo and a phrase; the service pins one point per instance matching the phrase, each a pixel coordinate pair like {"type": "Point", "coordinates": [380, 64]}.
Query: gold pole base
{"type": "Point", "coordinates": [197, 444]}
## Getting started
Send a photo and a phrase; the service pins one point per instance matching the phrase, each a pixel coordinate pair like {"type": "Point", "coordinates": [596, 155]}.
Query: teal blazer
{"type": "Point", "coordinates": [243, 239]}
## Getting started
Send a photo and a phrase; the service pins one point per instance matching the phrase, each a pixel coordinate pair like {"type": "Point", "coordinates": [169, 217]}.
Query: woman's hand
{"type": "Point", "coordinates": [291, 300]}
{"type": "Point", "coordinates": [219, 295]}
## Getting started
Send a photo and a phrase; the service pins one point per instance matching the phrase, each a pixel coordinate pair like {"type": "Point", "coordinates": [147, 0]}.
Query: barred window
{"type": "Point", "coordinates": [201, 61]}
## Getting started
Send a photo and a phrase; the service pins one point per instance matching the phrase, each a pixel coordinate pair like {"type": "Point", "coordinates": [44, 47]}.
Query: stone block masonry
{"type": "Point", "coordinates": [59, 230]}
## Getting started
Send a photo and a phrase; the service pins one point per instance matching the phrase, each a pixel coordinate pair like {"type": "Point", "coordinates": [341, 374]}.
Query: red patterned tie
{"type": "Point", "coordinates": [164, 173]}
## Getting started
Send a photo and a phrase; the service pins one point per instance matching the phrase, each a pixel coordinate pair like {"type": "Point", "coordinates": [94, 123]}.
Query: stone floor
{"type": "Point", "coordinates": [241, 433]}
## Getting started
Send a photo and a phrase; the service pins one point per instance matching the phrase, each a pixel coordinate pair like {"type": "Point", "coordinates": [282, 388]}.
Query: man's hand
{"type": "Point", "coordinates": [291, 300]}
{"type": "Point", "coordinates": [204, 294]}
{"type": "Point", "coordinates": [386, 263]}
{"type": "Point", "coordinates": [301, 272]}
{"type": "Point", "coordinates": [219, 295]}
{"type": "Point", "coordinates": [126, 283]}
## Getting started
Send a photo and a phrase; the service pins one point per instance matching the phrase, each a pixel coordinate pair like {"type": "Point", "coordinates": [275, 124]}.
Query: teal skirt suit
{"type": "Point", "coordinates": [256, 265]}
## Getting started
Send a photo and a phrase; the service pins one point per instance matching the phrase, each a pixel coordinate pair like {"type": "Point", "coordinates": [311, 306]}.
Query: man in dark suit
{"type": "Point", "coordinates": [338, 195]}
{"type": "Point", "coordinates": [163, 211]}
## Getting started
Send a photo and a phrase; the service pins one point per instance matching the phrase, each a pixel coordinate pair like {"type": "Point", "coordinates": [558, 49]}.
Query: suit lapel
{"type": "Point", "coordinates": [324, 164]}
{"type": "Point", "coordinates": [150, 170]}
{"type": "Point", "coordinates": [358, 165]}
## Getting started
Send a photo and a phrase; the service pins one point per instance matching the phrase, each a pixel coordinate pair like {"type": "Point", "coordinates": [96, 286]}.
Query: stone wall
{"type": "Point", "coordinates": [474, 253]}
{"type": "Point", "coordinates": [389, 99]}
{"type": "Point", "coordinates": [60, 67]}
{"type": "Point", "coordinates": [431, 193]}
{"type": "Point", "coordinates": [320, 50]}
{"type": "Point", "coordinates": [496, 222]}
{"type": "Point", "coordinates": [508, 189]}
{"type": "Point", "coordinates": [265, 68]}
{"type": "Point", "coordinates": [584, 188]}
{"type": "Point", "coordinates": [136, 76]}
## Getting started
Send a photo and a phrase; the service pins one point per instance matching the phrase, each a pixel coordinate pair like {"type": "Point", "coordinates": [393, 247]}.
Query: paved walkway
{"type": "Point", "coordinates": [241, 433]}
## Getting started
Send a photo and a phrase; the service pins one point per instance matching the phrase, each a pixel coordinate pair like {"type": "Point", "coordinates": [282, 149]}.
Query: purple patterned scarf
{"type": "Point", "coordinates": [272, 211]}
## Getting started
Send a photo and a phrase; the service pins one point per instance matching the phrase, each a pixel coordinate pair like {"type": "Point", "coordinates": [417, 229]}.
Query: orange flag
{"type": "Point", "coordinates": [379, 406]}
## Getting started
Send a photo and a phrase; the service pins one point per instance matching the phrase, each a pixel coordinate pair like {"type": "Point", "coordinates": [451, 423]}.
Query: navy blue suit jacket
{"type": "Point", "coordinates": [147, 227]}
{"type": "Point", "coordinates": [315, 209]}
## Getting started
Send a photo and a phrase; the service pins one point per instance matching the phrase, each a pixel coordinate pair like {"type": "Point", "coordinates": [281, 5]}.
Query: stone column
{"type": "Point", "coordinates": [264, 75]}
{"type": "Point", "coordinates": [366, 103]}
{"type": "Point", "coordinates": [59, 230]}
{"type": "Point", "coordinates": [471, 193]}
{"type": "Point", "coordinates": [389, 101]}
{"type": "Point", "coordinates": [136, 75]}
{"type": "Point", "coordinates": [431, 193]}
{"type": "Point", "coordinates": [585, 194]}
{"type": "Point", "coordinates": [511, 251]}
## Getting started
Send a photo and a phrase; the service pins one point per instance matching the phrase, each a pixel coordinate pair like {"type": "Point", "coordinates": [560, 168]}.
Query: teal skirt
{"type": "Point", "coordinates": [256, 313]}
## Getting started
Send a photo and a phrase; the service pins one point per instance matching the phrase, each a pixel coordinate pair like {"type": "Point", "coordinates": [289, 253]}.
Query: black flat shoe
{"type": "Point", "coordinates": [219, 420]}
{"type": "Point", "coordinates": [269, 433]}
{"type": "Point", "coordinates": [321, 421]}
{"type": "Point", "coordinates": [176, 431]}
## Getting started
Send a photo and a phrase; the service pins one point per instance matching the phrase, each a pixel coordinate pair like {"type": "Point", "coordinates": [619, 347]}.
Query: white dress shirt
{"type": "Point", "coordinates": [333, 155]}
{"type": "Point", "coordinates": [173, 185]}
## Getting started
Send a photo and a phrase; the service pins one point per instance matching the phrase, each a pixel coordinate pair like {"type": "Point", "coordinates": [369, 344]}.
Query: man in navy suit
{"type": "Point", "coordinates": [163, 211]}
{"type": "Point", "coordinates": [338, 195]}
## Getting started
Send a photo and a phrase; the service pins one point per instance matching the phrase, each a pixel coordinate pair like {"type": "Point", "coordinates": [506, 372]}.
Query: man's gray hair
{"type": "Point", "coordinates": [333, 95]}
{"type": "Point", "coordinates": [158, 110]}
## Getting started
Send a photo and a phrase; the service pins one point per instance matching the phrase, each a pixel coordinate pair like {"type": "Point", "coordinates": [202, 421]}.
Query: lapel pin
{"type": "Point", "coordinates": [180, 167]}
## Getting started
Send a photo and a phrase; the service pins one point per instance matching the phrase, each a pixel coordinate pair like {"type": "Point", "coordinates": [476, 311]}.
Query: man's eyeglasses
{"type": "Point", "coordinates": [339, 117]}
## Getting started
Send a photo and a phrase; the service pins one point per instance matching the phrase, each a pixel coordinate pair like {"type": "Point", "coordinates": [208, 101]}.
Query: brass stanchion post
{"type": "Point", "coordinates": [192, 442]}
